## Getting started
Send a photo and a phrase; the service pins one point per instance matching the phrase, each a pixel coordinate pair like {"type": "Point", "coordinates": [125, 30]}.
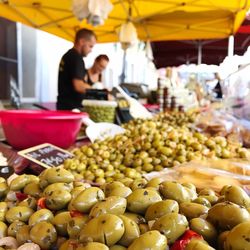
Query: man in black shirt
{"type": "Point", "coordinates": [71, 84]}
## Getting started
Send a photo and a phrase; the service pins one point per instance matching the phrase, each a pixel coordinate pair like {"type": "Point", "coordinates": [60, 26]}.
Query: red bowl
{"type": "Point", "coordinates": [28, 128]}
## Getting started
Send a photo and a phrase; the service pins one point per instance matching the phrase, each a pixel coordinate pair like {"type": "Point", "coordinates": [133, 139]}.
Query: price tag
{"type": "Point", "coordinates": [46, 155]}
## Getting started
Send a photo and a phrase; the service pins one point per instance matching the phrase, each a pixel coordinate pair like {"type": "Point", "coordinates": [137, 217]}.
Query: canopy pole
{"type": "Point", "coordinates": [123, 75]}
{"type": "Point", "coordinates": [199, 53]}
{"type": "Point", "coordinates": [230, 46]}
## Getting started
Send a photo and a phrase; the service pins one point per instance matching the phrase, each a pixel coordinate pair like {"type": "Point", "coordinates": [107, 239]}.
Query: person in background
{"type": "Point", "coordinates": [94, 74]}
{"type": "Point", "coordinates": [72, 71]}
{"type": "Point", "coordinates": [217, 89]}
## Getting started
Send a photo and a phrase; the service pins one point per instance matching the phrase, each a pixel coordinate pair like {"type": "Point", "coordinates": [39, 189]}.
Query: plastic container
{"type": "Point", "coordinates": [28, 128]}
{"type": "Point", "coordinates": [100, 111]}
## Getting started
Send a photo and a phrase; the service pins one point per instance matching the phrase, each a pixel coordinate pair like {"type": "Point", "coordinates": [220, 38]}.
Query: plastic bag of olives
{"type": "Point", "coordinates": [212, 174]}
{"type": "Point", "coordinates": [100, 111]}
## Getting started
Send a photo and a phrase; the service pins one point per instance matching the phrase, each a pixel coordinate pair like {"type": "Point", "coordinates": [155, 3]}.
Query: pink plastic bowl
{"type": "Point", "coordinates": [28, 128]}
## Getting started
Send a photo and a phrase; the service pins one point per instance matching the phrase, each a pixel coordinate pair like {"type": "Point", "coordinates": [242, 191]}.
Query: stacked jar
{"type": "Point", "coordinates": [160, 98]}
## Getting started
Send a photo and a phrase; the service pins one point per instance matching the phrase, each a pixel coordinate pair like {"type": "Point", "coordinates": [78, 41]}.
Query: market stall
{"type": "Point", "coordinates": [174, 179]}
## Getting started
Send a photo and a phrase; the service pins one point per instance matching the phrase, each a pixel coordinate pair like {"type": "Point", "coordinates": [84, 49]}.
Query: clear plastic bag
{"type": "Point", "coordinates": [208, 174]}
{"type": "Point", "coordinates": [245, 132]}
{"type": "Point", "coordinates": [219, 123]}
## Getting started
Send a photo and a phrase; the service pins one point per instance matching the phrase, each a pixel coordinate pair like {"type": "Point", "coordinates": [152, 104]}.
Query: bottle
{"type": "Point", "coordinates": [160, 99]}
{"type": "Point", "coordinates": [173, 103]}
{"type": "Point", "coordinates": [165, 99]}
{"type": "Point", "coordinates": [181, 108]}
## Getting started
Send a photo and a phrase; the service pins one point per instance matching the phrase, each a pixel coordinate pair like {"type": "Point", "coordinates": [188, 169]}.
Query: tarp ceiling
{"type": "Point", "coordinates": [175, 53]}
{"type": "Point", "coordinates": [156, 20]}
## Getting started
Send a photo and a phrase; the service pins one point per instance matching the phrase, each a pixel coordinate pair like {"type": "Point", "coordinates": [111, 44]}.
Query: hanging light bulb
{"type": "Point", "coordinates": [128, 33]}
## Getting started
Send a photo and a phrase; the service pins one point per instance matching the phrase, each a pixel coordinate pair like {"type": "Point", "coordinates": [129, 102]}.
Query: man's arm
{"type": "Point", "coordinates": [80, 86]}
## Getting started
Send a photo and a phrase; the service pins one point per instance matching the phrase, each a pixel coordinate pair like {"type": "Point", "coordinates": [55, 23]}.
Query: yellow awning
{"type": "Point", "coordinates": [156, 20]}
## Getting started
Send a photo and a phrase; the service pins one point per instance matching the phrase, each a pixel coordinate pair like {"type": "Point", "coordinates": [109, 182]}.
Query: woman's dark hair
{"type": "Point", "coordinates": [102, 57]}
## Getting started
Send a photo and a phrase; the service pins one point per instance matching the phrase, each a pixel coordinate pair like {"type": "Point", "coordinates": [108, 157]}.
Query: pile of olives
{"type": "Point", "coordinates": [149, 145]}
{"type": "Point", "coordinates": [55, 211]}
{"type": "Point", "coordinates": [101, 113]}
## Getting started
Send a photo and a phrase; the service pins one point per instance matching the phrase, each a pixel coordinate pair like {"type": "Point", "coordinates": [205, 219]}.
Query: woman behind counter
{"type": "Point", "coordinates": [94, 74]}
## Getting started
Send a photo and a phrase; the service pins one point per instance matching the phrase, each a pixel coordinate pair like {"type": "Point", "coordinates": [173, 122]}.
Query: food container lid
{"type": "Point", "coordinates": [99, 103]}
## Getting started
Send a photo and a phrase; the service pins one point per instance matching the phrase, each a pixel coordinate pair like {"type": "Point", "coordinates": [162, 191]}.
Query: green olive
{"type": "Point", "coordinates": [207, 191]}
{"type": "Point", "coordinates": [196, 244]}
{"type": "Point", "coordinates": [192, 210]}
{"type": "Point", "coordinates": [21, 181]}
{"type": "Point", "coordinates": [155, 182]}
{"type": "Point", "coordinates": [137, 218]}
{"type": "Point", "coordinates": [14, 227]}
{"type": "Point", "coordinates": [126, 181]}
{"type": "Point", "coordinates": [76, 191]}
{"type": "Point", "coordinates": [70, 244]}
{"type": "Point", "coordinates": [226, 215]}
{"type": "Point", "coordinates": [117, 247]}
{"type": "Point", "coordinates": [60, 222]}
{"type": "Point", "coordinates": [55, 175]}
{"type": "Point", "coordinates": [93, 245]}
{"type": "Point", "coordinates": [109, 187]}
{"type": "Point", "coordinates": [44, 234]}
{"type": "Point", "coordinates": [110, 229]}
{"type": "Point", "coordinates": [204, 228]}
{"type": "Point", "coordinates": [138, 183]}
{"type": "Point", "coordinates": [144, 227]}
{"type": "Point", "coordinates": [3, 210]}
{"type": "Point", "coordinates": [75, 225]}
{"type": "Point", "coordinates": [190, 186]}
{"type": "Point", "coordinates": [237, 195]}
{"type": "Point", "coordinates": [203, 201]}
{"type": "Point", "coordinates": [111, 205]}
{"type": "Point", "coordinates": [221, 240]}
{"type": "Point", "coordinates": [131, 232]}
{"type": "Point", "coordinates": [41, 215]}
{"type": "Point", "coordinates": [221, 199]}
{"type": "Point", "coordinates": [174, 191]}
{"type": "Point", "coordinates": [192, 193]}
{"type": "Point", "coordinates": [238, 237]}
{"type": "Point", "coordinates": [121, 192]}
{"type": "Point", "coordinates": [171, 225]}
{"type": "Point", "coordinates": [87, 199]}
{"type": "Point", "coordinates": [3, 189]}
{"type": "Point", "coordinates": [81, 184]}
{"type": "Point", "coordinates": [152, 240]}
{"type": "Point", "coordinates": [23, 234]}
{"type": "Point", "coordinates": [140, 199]}
{"type": "Point", "coordinates": [57, 186]}
{"type": "Point", "coordinates": [3, 230]}
{"type": "Point", "coordinates": [57, 199]}
{"type": "Point", "coordinates": [29, 202]}
{"type": "Point", "coordinates": [161, 208]}
{"type": "Point", "coordinates": [43, 180]}
{"type": "Point", "coordinates": [224, 188]}
{"type": "Point", "coordinates": [33, 189]}
{"type": "Point", "coordinates": [213, 199]}
{"type": "Point", "coordinates": [21, 213]}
